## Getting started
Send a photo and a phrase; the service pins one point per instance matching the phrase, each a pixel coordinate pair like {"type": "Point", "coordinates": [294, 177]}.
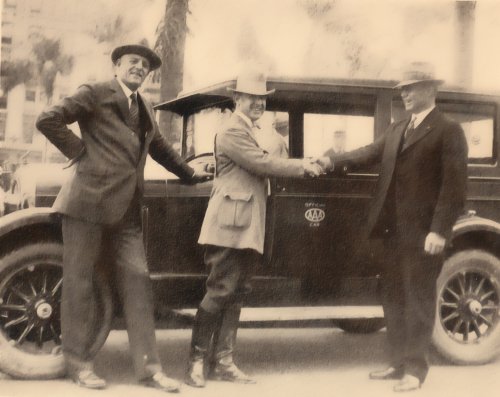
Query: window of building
{"type": "Point", "coordinates": [10, 3]}
{"type": "Point", "coordinates": [28, 127]}
{"type": "Point", "coordinates": [30, 95]}
{"type": "Point", "coordinates": [3, 120]}
{"type": "Point", "coordinates": [3, 102]}
{"type": "Point", "coordinates": [6, 51]}
{"type": "Point", "coordinates": [6, 40]}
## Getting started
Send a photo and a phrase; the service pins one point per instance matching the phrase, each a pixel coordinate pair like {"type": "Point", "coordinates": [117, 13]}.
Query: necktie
{"type": "Point", "coordinates": [134, 113]}
{"type": "Point", "coordinates": [410, 128]}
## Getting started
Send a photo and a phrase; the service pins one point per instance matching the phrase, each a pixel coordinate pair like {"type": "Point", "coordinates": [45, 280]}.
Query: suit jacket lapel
{"type": "Point", "coordinates": [395, 143]}
{"type": "Point", "coordinates": [148, 112]}
{"type": "Point", "coordinates": [422, 130]}
{"type": "Point", "coordinates": [244, 126]}
{"type": "Point", "coordinates": [122, 101]}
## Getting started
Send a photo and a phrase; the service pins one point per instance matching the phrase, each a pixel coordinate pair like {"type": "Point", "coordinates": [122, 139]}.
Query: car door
{"type": "Point", "coordinates": [319, 238]}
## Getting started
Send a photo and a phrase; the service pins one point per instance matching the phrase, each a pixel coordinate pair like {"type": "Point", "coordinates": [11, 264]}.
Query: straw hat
{"type": "Point", "coordinates": [418, 72]}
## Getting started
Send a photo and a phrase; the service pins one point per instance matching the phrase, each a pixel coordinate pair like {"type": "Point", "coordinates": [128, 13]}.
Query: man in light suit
{"type": "Point", "coordinates": [101, 204]}
{"type": "Point", "coordinates": [420, 193]}
{"type": "Point", "coordinates": [233, 230]}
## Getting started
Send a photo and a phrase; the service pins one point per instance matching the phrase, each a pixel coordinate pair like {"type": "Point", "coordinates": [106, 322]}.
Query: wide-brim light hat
{"type": "Point", "coordinates": [418, 72]}
{"type": "Point", "coordinates": [138, 49]}
{"type": "Point", "coordinates": [253, 83]}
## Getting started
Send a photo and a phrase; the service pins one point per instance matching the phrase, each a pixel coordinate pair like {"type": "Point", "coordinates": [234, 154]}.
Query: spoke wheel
{"type": "Point", "coordinates": [30, 299]}
{"type": "Point", "coordinates": [467, 327]}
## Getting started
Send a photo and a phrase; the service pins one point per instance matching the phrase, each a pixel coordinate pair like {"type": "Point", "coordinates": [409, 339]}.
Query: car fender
{"type": "Point", "coordinates": [27, 217]}
{"type": "Point", "coordinates": [474, 223]}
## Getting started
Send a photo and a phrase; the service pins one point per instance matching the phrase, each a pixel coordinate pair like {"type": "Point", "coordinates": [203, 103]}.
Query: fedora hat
{"type": "Point", "coordinates": [251, 82]}
{"type": "Point", "coordinates": [418, 72]}
{"type": "Point", "coordinates": [138, 49]}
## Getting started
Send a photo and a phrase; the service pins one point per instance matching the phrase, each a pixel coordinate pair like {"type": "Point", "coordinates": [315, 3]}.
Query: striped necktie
{"type": "Point", "coordinates": [134, 113]}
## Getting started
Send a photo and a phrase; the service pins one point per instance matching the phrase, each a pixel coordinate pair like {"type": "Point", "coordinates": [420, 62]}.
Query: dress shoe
{"type": "Point", "coordinates": [87, 378]}
{"type": "Point", "coordinates": [162, 382]}
{"type": "Point", "coordinates": [408, 383]}
{"type": "Point", "coordinates": [230, 373]}
{"type": "Point", "coordinates": [389, 373]}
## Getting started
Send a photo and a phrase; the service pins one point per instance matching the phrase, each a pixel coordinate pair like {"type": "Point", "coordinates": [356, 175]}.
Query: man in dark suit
{"type": "Point", "coordinates": [420, 193]}
{"type": "Point", "coordinates": [100, 205]}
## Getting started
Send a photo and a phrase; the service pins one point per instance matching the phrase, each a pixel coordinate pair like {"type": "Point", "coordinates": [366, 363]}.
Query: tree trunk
{"type": "Point", "coordinates": [465, 19]}
{"type": "Point", "coordinates": [171, 43]}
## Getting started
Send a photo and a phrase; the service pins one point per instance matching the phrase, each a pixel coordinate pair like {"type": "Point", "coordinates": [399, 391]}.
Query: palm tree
{"type": "Point", "coordinates": [14, 73]}
{"type": "Point", "coordinates": [170, 44]}
{"type": "Point", "coordinates": [49, 61]}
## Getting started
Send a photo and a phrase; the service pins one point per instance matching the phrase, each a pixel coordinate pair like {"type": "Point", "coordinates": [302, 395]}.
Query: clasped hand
{"type": "Point", "coordinates": [316, 166]}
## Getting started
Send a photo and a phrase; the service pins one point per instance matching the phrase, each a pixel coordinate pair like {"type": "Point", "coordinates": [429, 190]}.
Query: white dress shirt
{"type": "Point", "coordinates": [419, 117]}
{"type": "Point", "coordinates": [127, 92]}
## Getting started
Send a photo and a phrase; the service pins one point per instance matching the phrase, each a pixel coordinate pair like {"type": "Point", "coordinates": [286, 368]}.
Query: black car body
{"type": "Point", "coordinates": [318, 262]}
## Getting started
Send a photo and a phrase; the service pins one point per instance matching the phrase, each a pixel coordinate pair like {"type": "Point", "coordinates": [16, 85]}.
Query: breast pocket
{"type": "Point", "coordinates": [235, 210]}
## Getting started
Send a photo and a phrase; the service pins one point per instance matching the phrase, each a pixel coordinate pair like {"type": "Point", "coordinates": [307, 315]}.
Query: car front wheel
{"type": "Point", "coordinates": [30, 298]}
{"type": "Point", "coordinates": [467, 327]}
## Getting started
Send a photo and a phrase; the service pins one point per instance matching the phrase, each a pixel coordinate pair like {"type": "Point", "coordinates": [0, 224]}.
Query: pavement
{"type": "Point", "coordinates": [287, 362]}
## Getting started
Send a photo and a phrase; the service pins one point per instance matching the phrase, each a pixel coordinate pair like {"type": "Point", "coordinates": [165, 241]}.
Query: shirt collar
{"type": "Point", "coordinates": [125, 89]}
{"type": "Point", "coordinates": [419, 117]}
{"type": "Point", "coordinates": [245, 118]}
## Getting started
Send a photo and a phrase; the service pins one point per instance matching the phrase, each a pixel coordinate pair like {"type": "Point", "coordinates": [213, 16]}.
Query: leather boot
{"type": "Point", "coordinates": [222, 364]}
{"type": "Point", "coordinates": [203, 330]}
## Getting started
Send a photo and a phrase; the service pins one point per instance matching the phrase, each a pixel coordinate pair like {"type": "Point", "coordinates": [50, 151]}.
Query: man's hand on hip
{"type": "Point", "coordinates": [434, 243]}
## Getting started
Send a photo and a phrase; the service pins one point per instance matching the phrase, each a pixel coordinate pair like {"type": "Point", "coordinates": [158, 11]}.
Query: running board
{"type": "Point", "coordinates": [300, 313]}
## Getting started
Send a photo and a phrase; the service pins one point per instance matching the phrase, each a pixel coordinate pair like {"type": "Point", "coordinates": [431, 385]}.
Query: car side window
{"type": "Point", "coordinates": [272, 134]}
{"type": "Point", "coordinates": [477, 121]}
{"type": "Point", "coordinates": [326, 134]}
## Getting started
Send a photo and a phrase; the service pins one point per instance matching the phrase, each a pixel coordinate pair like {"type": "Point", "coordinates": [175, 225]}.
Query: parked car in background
{"type": "Point", "coordinates": [25, 180]}
{"type": "Point", "coordinates": [317, 264]}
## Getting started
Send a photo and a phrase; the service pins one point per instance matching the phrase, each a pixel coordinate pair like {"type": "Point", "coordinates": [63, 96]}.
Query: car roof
{"type": "Point", "coordinates": [218, 94]}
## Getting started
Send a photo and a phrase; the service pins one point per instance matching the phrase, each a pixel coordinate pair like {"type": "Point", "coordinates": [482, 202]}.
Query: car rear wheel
{"type": "Point", "coordinates": [467, 327]}
{"type": "Point", "coordinates": [361, 326]}
{"type": "Point", "coordinates": [30, 298]}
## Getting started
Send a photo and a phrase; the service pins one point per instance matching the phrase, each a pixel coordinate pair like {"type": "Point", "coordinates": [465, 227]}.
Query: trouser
{"type": "Point", "coordinates": [408, 294]}
{"type": "Point", "coordinates": [84, 243]}
{"type": "Point", "coordinates": [230, 276]}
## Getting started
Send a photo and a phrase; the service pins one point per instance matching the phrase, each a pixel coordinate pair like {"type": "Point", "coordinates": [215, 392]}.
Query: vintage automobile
{"type": "Point", "coordinates": [318, 264]}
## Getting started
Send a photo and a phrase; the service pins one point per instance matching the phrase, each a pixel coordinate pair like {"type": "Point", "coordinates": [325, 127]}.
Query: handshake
{"type": "Point", "coordinates": [316, 166]}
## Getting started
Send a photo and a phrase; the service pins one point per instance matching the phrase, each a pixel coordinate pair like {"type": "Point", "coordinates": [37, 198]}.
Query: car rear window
{"type": "Point", "coordinates": [477, 121]}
